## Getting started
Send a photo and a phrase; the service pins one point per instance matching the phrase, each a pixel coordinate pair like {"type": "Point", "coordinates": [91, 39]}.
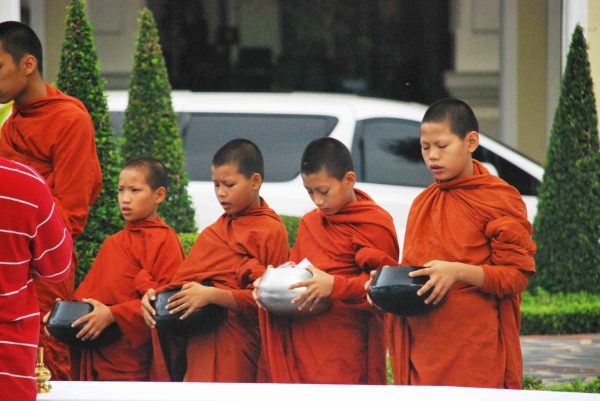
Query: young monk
{"type": "Point", "coordinates": [231, 253]}
{"type": "Point", "coordinates": [345, 238]}
{"type": "Point", "coordinates": [54, 134]}
{"type": "Point", "coordinates": [144, 255]}
{"type": "Point", "coordinates": [470, 231]}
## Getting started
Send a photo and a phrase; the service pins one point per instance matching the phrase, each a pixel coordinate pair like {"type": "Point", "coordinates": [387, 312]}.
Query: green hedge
{"type": "Point", "coordinates": [576, 386]}
{"type": "Point", "coordinates": [545, 313]}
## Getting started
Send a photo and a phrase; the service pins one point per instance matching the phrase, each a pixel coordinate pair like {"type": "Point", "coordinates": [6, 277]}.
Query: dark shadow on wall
{"type": "Point", "coordinates": [395, 49]}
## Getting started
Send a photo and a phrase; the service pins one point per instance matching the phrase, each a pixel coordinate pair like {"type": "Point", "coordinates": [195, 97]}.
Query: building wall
{"type": "Point", "coordinates": [115, 29]}
{"type": "Point", "coordinates": [54, 16]}
{"type": "Point", "coordinates": [532, 96]}
{"type": "Point", "coordinates": [476, 26]}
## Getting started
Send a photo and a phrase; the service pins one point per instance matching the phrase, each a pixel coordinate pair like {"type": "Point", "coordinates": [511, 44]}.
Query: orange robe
{"type": "Point", "coordinates": [344, 344]}
{"type": "Point", "coordinates": [144, 255]}
{"type": "Point", "coordinates": [55, 135]}
{"type": "Point", "coordinates": [232, 253]}
{"type": "Point", "coordinates": [472, 338]}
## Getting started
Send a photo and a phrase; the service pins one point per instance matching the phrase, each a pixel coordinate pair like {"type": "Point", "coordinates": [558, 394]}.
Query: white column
{"type": "Point", "coordinates": [574, 12]}
{"type": "Point", "coordinates": [10, 10]}
{"type": "Point", "coordinates": [508, 73]}
{"type": "Point", "coordinates": [554, 61]}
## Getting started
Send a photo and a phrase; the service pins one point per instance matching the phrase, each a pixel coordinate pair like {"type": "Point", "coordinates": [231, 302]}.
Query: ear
{"type": "Point", "coordinates": [161, 194]}
{"type": "Point", "coordinates": [472, 140]}
{"type": "Point", "coordinates": [256, 181]}
{"type": "Point", "coordinates": [28, 64]}
{"type": "Point", "coordinates": [349, 180]}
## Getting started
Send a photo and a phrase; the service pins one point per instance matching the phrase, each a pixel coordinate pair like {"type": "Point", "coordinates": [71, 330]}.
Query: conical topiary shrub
{"type": "Point", "coordinates": [79, 76]}
{"type": "Point", "coordinates": [150, 127]}
{"type": "Point", "coordinates": [567, 225]}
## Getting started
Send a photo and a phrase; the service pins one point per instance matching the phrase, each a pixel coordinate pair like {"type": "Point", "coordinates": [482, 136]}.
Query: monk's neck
{"type": "Point", "coordinates": [36, 89]}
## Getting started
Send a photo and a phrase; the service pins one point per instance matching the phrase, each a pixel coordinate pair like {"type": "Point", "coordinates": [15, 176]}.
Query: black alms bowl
{"type": "Point", "coordinates": [395, 292]}
{"type": "Point", "coordinates": [64, 314]}
{"type": "Point", "coordinates": [200, 321]}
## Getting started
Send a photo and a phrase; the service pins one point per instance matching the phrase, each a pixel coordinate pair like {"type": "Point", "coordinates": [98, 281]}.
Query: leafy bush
{"type": "Point", "coordinates": [79, 76]}
{"type": "Point", "coordinates": [151, 128]}
{"type": "Point", "coordinates": [576, 386]}
{"type": "Point", "coordinates": [567, 225]}
{"type": "Point", "coordinates": [545, 313]}
{"type": "Point", "coordinates": [187, 240]}
{"type": "Point", "coordinates": [291, 224]}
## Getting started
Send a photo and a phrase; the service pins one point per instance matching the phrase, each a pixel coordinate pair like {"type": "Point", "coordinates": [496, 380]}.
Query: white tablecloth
{"type": "Point", "coordinates": [138, 391]}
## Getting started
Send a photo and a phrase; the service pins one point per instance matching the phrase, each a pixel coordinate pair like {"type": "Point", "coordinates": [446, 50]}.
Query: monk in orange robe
{"type": "Point", "coordinates": [53, 133]}
{"type": "Point", "coordinates": [231, 253]}
{"type": "Point", "coordinates": [470, 230]}
{"type": "Point", "coordinates": [348, 236]}
{"type": "Point", "coordinates": [144, 255]}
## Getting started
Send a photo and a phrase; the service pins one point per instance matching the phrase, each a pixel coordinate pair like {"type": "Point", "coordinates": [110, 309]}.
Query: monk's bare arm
{"type": "Point", "coordinates": [442, 275]}
{"type": "Point", "coordinates": [224, 298]}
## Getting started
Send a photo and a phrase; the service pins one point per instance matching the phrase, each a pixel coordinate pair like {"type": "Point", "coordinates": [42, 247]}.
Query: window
{"type": "Point", "coordinates": [281, 139]}
{"type": "Point", "coordinates": [388, 151]}
{"type": "Point", "coordinates": [525, 183]}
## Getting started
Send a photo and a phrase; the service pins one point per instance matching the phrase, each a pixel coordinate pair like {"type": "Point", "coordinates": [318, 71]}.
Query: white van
{"type": "Point", "coordinates": [383, 136]}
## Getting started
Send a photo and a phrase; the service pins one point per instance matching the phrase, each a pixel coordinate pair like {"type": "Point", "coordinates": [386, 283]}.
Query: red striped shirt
{"type": "Point", "coordinates": [33, 240]}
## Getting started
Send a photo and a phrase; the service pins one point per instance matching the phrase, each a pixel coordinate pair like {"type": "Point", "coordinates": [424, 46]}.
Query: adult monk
{"type": "Point", "coordinates": [345, 238]}
{"type": "Point", "coordinates": [53, 133]}
{"type": "Point", "coordinates": [470, 231]}
{"type": "Point", "coordinates": [144, 255]}
{"type": "Point", "coordinates": [231, 253]}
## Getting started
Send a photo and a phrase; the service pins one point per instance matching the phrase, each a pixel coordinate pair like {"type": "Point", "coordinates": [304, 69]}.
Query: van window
{"type": "Point", "coordinates": [281, 139]}
{"type": "Point", "coordinates": [388, 151]}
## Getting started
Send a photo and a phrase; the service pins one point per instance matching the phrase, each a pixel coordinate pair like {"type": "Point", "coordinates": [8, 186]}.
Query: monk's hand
{"type": "Point", "coordinates": [441, 274]}
{"type": "Point", "coordinates": [148, 311]}
{"type": "Point", "coordinates": [46, 317]}
{"type": "Point", "coordinates": [370, 282]}
{"type": "Point", "coordinates": [97, 320]}
{"type": "Point", "coordinates": [191, 297]}
{"type": "Point", "coordinates": [318, 287]}
{"type": "Point", "coordinates": [256, 285]}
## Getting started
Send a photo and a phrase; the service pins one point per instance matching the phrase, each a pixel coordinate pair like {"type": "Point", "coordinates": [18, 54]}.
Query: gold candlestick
{"type": "Point", "coordinates": [42, 374]}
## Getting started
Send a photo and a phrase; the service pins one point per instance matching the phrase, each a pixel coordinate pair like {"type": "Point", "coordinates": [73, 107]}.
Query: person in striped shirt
{"type": "Point", "coordinates": [33, 242]}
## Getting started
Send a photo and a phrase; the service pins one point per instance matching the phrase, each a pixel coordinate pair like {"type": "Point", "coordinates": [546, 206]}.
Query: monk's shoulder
{"type": "Point", "coordinates": [114, 239]}
{"type": "Point", "coordinates": [268, 224]}
{"type": "Point", "coordinates": [70, 107]}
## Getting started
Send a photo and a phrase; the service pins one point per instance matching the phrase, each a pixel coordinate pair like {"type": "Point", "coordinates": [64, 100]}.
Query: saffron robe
{"type": "Point", "coordinates": [144, 255]}
{"type": "Point", "coordinates": [231, 253]}
{"type": "Point", "coordinates": [345, 343]}
{"type": "Point", "coordinates": [472, 338]}
{"type": "Point", "coordinates": [55, 135]}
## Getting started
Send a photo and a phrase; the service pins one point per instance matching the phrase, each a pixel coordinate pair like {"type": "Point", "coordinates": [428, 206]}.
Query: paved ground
{"type": "Point", "coordinates": [561, 358]}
